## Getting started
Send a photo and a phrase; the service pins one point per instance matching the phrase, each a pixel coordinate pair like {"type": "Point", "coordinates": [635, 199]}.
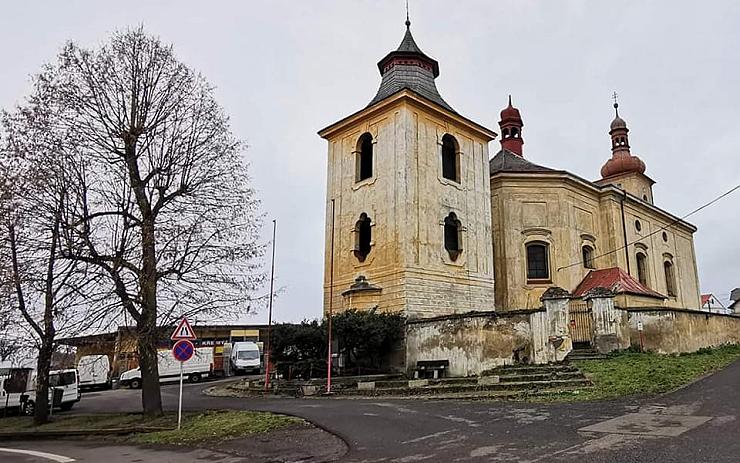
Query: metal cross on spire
{"type": "Point", "coordinates": [616, 102]}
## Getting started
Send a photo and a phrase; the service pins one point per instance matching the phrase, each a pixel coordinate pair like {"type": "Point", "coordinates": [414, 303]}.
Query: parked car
{"type": "Point", "coordinates": [245, 358]}
{"type": "Point", "coordinates": [198, 367]}
{"type": "Point", "coordinates": [94, 371]}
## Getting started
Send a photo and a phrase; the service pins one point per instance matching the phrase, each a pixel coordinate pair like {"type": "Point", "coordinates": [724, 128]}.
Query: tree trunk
{"type": "Point", "coordinates": [41, 402]}
{"type": "Point", "coordinates": [151, 396]}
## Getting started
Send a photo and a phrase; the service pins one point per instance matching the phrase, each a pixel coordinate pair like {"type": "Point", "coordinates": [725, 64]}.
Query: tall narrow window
{"type": "Point", "coordinates": [538, 266]}
{"type": "Point", "coordinates": [642, 268]}
{"type": "Point", "coordinates": [363, 237]}
{"type": "Point", "coordinates": [670, 278]}
{"type": "Point", "coordinates": [453, 243]}
{"type": "Point", "coordinates": [364, 157]}
{"type": "Point", "coordinates": [588, 257]}
{"type": "Point", "coordinates": [450, 162]}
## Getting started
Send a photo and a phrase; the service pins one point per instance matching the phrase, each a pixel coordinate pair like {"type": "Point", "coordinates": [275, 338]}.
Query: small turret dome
{"type": "Point", "coordinates": [618, 123]}
{"type": "Point", "coordinates": [622, 164]}
{"type": "Point", "coordinates": [510, 113]}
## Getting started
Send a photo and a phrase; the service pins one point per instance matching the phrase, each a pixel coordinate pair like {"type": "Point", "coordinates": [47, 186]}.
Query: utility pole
{"type": "Point", "coordinates": [269, 317]}
{"type": "Point", "coordinates": [331, 302]}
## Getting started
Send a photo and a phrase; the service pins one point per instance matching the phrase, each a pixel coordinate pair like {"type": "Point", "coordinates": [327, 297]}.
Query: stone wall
{"type": "Point", "coordinates": [672, 331]}
{"type": "Point", "coordinates": [473, 342]}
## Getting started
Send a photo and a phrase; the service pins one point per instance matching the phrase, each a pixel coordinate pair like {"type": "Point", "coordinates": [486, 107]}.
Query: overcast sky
{"type": "Point", "coordinates": [285, 69]}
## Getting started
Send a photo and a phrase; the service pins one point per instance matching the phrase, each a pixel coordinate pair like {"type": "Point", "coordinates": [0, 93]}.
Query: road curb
{"type": "Point", "coordinates": [36, 435]}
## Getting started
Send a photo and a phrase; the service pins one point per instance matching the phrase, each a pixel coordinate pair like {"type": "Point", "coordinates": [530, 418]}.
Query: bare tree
{"type": "Point", "coordinates": [161, 202]}
{"type": "Point", "coordinates": [51, 295]}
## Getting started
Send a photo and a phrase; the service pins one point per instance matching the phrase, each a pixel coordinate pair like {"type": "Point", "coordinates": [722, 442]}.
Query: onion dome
{"type": "Point", "coordinates": [510, 114]}
{"type": "Point", "coordinates": [622, 160]}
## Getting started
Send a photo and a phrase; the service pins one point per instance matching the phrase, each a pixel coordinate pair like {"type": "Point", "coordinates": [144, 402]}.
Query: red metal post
{"type": "Point", "coordinates": [331, 302]}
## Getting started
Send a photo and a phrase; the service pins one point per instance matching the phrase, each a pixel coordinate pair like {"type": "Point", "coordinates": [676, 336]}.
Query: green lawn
{"type": "Point", "coordinates": [210, 426]}
{"type": "Point", "coordinates": [632, 373]}
{"type": "Point", "coordinates": [219, 425]}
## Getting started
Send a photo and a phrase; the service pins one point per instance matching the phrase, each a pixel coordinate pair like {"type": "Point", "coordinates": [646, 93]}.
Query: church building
{"type": "Point", "coordinates": [422, 219]}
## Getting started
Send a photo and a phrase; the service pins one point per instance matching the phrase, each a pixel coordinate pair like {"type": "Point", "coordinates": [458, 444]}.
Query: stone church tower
{"type": "Point", "coordinates": [408, 215]}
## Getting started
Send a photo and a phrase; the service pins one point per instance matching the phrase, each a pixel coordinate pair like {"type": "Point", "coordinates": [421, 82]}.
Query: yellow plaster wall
{"type": "Point", "coordinates": [568, 213]}
{"type": "Point", "coordinates": [407, 200]}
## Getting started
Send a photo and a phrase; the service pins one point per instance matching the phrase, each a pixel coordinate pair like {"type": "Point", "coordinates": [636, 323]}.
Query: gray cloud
{"type": "Point", "coordinates": [285, 69]}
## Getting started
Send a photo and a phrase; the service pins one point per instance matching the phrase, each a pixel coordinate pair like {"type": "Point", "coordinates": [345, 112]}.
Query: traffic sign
{"type": "Point", "coordinates": [183, 350]}
{"type": "Point", "coordinates": [183, 331]}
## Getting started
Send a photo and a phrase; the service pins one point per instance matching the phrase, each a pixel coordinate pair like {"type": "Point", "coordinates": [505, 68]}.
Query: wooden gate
{"type": "Point", "coordinates": [581, 322]}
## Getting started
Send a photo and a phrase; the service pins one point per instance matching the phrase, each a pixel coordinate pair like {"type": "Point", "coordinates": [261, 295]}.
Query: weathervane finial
{"type": "Point", "coordinates": [408, 21]}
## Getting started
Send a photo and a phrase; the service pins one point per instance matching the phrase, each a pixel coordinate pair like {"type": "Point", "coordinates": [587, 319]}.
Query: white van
{"type": "Point", "coordinates": [245, 358]}
{"type": "Point", "coordinates": [198, 367]}
{"type": "Point", "coordinates": [94, 371]}
{"type": "Point", "coordinates": [63, 382]}
{"type": "Point", "coordinates": [15, 383]}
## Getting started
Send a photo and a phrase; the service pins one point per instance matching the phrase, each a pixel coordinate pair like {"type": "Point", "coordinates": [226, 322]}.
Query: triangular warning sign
{"type": "Point", "coordinates": [183, 331]}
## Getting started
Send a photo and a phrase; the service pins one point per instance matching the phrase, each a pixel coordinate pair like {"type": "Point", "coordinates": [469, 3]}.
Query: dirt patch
{"type": "Point", "coordinates": [295, 443]}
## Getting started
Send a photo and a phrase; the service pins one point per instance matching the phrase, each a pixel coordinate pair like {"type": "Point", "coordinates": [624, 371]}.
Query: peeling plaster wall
{"type": "Point", "coordinates": [473, 343]}
{"type": "Point", "coordinates": [677, 331]}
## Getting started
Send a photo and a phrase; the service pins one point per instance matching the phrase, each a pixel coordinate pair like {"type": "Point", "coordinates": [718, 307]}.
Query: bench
{"type": "Point", "coordinates": [431, 368]}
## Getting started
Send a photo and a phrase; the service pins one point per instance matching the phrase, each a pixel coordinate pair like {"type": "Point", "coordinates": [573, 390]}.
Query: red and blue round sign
{"type": "Point", "coordinates": [183, 350]}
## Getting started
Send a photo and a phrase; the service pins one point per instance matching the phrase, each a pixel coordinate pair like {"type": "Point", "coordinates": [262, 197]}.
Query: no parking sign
{"type": "Point", "coordinates": [183, 350]}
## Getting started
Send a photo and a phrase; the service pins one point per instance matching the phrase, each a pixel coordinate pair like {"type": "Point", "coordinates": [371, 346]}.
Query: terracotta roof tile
{"type": "Point", "coordinates": [615, 279]}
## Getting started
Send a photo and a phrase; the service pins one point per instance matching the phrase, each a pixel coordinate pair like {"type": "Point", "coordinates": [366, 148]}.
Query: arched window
{"type": "Point", "coordinates": [363, 237]}
{"type": "Point", "coordinates": [453, 238]}
{"type": "Point", "coordinates": [642, 268]}
{"type": "Point", "coordinates": [450, 161]}
{"type": "Point", "coordinates": [364, 160]}
{"type": "Point", "coordinates": [670, 278]}
{"type": "Point", "coordinates": [538, 265]}
{"type": "Point", "coordinates": [588, 256]}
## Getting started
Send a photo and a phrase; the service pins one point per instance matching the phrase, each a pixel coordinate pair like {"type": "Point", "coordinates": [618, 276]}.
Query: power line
{"type": "Point", "coordinates": [680, 219]}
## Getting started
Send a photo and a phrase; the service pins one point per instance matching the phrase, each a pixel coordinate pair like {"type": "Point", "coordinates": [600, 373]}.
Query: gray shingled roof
{"type": "Point", "coordinates": [414, 78]}
{"type": "Point", "coordinates": [411, 77]}
{"type": "Point", "coordinates": [506, 161]}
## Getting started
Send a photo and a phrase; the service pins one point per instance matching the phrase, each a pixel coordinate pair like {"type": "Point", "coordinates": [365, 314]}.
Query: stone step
{"type": "Point", "coordinates": [580, 356]}
{"type": "Point", "coordinates": [530, 369]}
{"type": "Point", "coordinates": [540, 376]}
{"type": "Point", "coordinates": [459, 388]}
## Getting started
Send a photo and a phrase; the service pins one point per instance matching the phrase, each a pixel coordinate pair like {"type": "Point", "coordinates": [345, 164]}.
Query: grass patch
{"type": "Point", "coordinates": [75, 422]}
{"type": "Point", "coordinates": [210, 426]}
{"type": "Point", "coordinates": [218, 425]}
{"type": "Point", "coordinates": [632, 373]}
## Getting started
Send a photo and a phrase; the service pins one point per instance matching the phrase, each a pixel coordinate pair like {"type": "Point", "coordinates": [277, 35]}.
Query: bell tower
{"type": "Point", "coordinates": [624, 169]}
{"type": "Point", "coordinates": [408, 218]}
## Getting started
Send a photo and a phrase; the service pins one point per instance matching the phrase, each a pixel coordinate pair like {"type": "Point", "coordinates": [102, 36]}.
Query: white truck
{"type": "Point", "coordinates": [245, 358]}
{"type": "Point", "coordinates": [94, 371]}
{"type": "Point", "coordinates": [198, 367]}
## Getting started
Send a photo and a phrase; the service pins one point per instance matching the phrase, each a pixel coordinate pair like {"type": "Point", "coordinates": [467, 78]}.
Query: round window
{"type": "Point", "coordinates": [638, 225]}
{"type": "Point", "coordinates": [665, 237]}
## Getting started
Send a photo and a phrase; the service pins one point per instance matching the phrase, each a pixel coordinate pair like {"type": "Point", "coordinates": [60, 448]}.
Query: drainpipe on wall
{"type": "Point", "coordinates": [624, 233]}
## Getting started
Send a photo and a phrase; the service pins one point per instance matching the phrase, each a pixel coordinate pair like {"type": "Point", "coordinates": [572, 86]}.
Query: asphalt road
{"type": "Point", "coordinates": [696, 424]}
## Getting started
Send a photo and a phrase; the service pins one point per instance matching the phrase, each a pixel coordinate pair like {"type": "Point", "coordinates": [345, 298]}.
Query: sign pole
{"type": "Point", "coordinates": [179, 405]}
{"type": "Point", "coordinates": [183, 350]}
{"type": "Point", "coordinates": [269, 319]}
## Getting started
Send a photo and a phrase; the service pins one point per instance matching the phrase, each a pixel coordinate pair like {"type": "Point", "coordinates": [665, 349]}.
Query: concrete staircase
{"type": "Point", "coordinates": [506, 382]}
{"type": "Point", "coordinates": [502, 382]}
{"type": "Point", "coordinates": [584, 353]}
